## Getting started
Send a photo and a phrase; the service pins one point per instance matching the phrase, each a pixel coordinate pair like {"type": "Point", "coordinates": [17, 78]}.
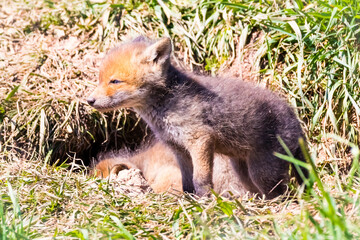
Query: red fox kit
{"type": "Point", "coordinates": [199, 116]}
{"type": "Point", "coordinates": [159, 167]}
{"type": "Point", "coordinates": [155, 162]}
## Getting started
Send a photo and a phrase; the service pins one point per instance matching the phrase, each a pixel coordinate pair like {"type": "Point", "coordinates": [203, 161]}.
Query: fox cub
{"type": "Point", "coordinates": [159, 167]}
{"type": "Point", "coordinates": [199, 116]}
{"type": "Point", "coordinates": [155, 163]}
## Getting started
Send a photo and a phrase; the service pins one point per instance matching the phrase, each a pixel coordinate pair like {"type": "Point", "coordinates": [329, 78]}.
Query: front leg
{"type": "Point", "coordinates": [186, 167]}
{"type": "Point", "coordinates": [202, 154]}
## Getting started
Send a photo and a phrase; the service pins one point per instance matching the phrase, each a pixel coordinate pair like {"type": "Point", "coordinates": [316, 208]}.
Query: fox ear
{"type": "Point", "coordinates": [159, 52]}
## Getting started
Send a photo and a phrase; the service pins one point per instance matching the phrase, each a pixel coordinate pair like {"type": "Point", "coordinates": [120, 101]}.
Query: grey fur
{"type": "Point", "coordinates": [225, 116]}
{"type": "Point", "coordinates": [198, 116]}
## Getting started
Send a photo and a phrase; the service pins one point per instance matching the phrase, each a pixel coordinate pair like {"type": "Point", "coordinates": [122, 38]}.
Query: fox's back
{"type": "Point", "coordinates": [237, 114]}
{"type": "Point", "coordinates": [254, 110]}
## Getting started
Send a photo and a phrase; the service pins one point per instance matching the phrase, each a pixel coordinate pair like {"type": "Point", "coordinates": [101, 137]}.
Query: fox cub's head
{"type": "Point", "coordinates": [129, 71]}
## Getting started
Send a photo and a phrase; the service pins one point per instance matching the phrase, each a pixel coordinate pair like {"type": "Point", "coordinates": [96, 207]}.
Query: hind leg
{"type": "Point", "coordinates": [241, 167]}
{"type": "Point", "coordinates": [269, 173]}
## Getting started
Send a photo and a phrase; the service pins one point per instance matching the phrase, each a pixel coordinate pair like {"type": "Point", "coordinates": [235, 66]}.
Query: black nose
{"type": "Point", "coordinates": [91, 100]}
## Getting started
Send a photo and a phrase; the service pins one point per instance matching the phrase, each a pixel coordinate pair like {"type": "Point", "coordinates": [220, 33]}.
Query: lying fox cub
{"type": "Point", "coordinates": [159, 167]}
{"type": "Point", "coordinates": [200, 116]}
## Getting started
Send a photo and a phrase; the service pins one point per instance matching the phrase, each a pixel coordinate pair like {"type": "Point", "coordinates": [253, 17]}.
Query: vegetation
{"type": "Point", "coordinates": [308, 51]}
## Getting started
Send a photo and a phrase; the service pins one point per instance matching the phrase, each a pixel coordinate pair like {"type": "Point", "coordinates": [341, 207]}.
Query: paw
{"type": "Point", "coordinates": [203, 189]}
{"type": "Point", "coordinates": [187, 188]}
{"type": "Point", "coordinates": [118, 167]}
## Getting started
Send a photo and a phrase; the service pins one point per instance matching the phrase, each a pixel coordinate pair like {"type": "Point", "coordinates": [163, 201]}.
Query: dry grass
{"type": "Point", "coordinates": [49, 55]}
{"type": "Point", "coordinates": [52, 75]}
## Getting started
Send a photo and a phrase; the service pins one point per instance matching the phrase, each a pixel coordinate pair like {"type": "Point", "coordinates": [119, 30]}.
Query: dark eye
{"type": "Point", "coordinates": [115, 81]}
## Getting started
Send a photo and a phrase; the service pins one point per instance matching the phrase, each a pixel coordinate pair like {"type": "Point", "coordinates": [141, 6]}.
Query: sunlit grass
{"type": "Point", "coordinates": [308, 52]}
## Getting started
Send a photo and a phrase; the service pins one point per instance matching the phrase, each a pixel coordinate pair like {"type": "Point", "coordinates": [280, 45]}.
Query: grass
{"type": "Point", "coordinates": [309, 52]}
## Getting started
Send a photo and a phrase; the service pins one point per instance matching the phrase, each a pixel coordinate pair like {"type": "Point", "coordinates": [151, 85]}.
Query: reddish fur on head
{"type": "Point", "coordinates": [121, 63]}
{"type": "Point", "coordinates": [131, 65]}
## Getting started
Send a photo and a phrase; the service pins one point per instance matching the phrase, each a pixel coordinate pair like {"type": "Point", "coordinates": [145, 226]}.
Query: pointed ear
{"type": "Point", "coordinates": [158, 52]}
